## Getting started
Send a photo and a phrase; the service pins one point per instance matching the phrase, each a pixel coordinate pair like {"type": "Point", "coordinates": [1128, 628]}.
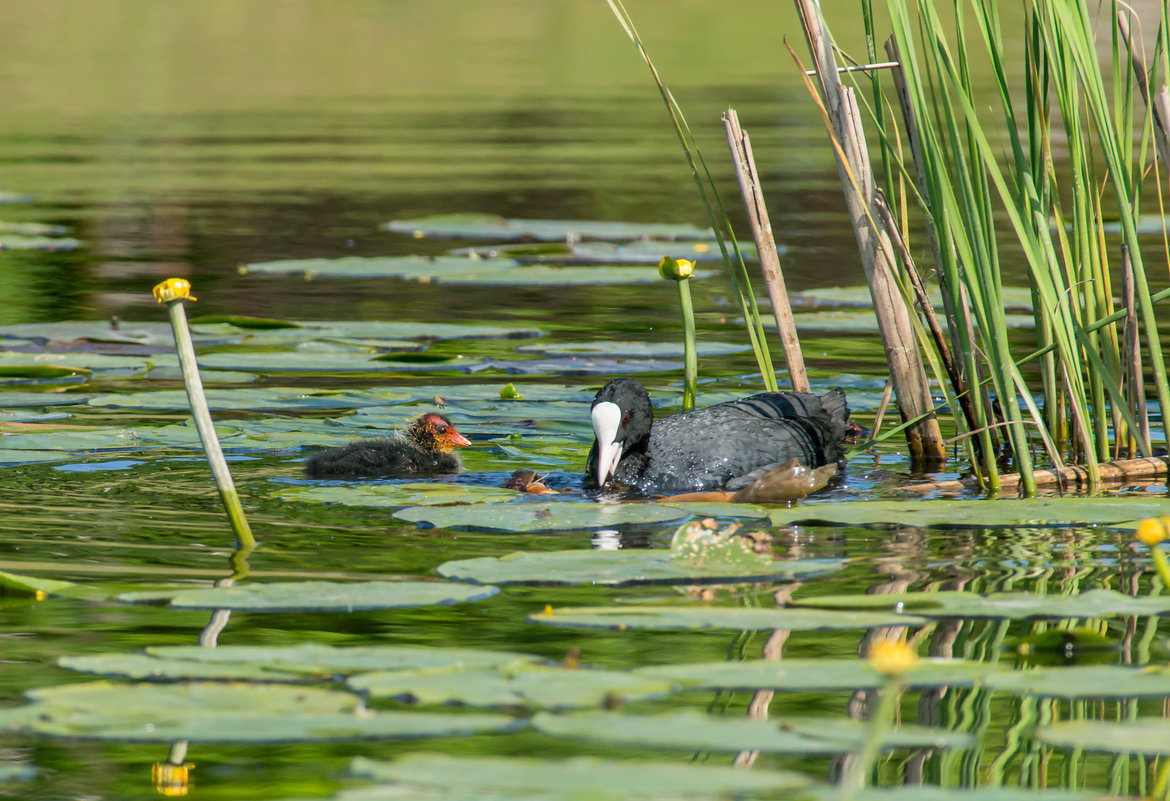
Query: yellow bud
{"type": "Point", "coordinates": [548, 610]}
{"type": "Point", "coordinates": [173, 289]}
{"type": "Point", "coordinates": [701, 248]}
{"type": "Point", "coordinates": [892, 657]}
{"type": "Point", "coordinates": [1152, 530]}
{"type": "Point", "coordinates": [675, 269]}
{"type": "Point", "coordinates": [171, 779]}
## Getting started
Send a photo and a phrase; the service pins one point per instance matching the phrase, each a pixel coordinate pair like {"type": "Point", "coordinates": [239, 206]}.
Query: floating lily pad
{"type": "Point", "coordinates": [29, 416]}
{"type": "Point", "coordinates": [519, 685]}
{"type": "Point", "coordinates": [581, 777]}
{"type": "Point", "coordinates": [49, 243]}
{"type": "Point", "coordinates": [717, 617]}
{"type": "Point", "coordinates": [1016, 298]}
{"type": "Point", "coordinates": [31, 228]}
{"type": "Point", "coordinates": [617, 568]}
{"type": "Point", "coordinates": [398, 495]}
{"type": "Point", "coordinates": [1137, 736]}
{"type": "Point", "coordinates": [17, 400]}
{"type": "Point", "coordinates": [9, 457]}
{"type": "Point", "coordinates": [225, 712]}
{"type": "Point", "coordinates": [864, 320]}
{"type": "Point", "coordinates": [692, 730]}
{"type": "Point", "coordinates": [42, 364]}
{"type": "Point", "coordinates": [414, 268]}
{"type": "Point", "coordinates": [16, 772]}
{"type": "Point", "coordinates": [1026, 511]}
{"type": "Point", "coordinates": [548, 275]}
{"type": "Point", "coordinates": [300, 362]}
{"type": "Point", "coordinates": [525, 516]}
{"type": "Point", "coordinates": [1008, 605]}
{"type": "Point", "coordinates": [822, 675]}
{"type": "Point", "coordinates": [630, 349]}
{"type": "Point", "coordinates": [140, 667]}
{"type": "Point", "coordinates": [647, 252]}
{"type": "Point", "coordinates": [241, 398]}
{"type": "Point", "coordinates": [365, 332]}
{"type": "Point", "coordinates": [14, 584]}
{"type": "Point", "coordinates": [320, 596]}
{"type": "Point", "coordinates": [491, 226]}
{"type": "Point", "coordinates": [577, 365]}
{"type": "Point", "coordinates": [315, 659]}
{"type": "Point", "coordinates": [747, 511]}
{"type": "Point", "coordinates": [1086, 681]}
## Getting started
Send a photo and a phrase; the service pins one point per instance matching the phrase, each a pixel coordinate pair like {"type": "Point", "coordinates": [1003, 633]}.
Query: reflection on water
{"type": "Point", "coordinates": [186, 139]}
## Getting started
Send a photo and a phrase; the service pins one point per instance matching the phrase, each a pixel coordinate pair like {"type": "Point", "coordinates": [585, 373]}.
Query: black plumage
{"type": "Point", "coordinates": [727, 446]}
{"type": "Point", "coordinates": [426, 447]}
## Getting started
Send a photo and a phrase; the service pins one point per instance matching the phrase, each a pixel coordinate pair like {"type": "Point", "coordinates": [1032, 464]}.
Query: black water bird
{"type": "Point", "coordinates": [723, 447]}
{"type": "Point", "coordinates": [426, 447]}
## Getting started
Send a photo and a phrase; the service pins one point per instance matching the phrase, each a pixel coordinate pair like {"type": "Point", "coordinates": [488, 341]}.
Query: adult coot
{"type": "Point", "coordinates": [426, 447]}
{"type": "Point", "coordinates": [727, 446]}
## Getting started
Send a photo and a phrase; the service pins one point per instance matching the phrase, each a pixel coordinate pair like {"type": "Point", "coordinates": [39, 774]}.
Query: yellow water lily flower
{"type": "Point", "coordinates": [1152, 530]}
{"type": "Point", "coordinates": [892, 657]}
{"type": "Point", "coordinates": [173, 289]}
{"type": "Point", "coordinates": [170, 779]}
{"type": "Point", "coordinates": [675, 269]}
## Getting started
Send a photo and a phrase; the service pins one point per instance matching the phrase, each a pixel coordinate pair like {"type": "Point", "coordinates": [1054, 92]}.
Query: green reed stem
{"type": "Point", "coordinates": [203, 423]}
{"type": "Point", "coordinates": [1161, 563]}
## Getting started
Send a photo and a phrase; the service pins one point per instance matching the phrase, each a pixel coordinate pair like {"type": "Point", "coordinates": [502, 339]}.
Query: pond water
{"type": "Point", "coordinates": [186, 140]}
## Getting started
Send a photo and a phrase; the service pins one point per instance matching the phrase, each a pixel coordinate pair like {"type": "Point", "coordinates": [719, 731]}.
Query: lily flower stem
{"type": "Point", "coordinates": [1161, 563]}
{"type": "Point", "coordinates": [206, 429]}
{"type": "Point", "coordinates": [880, 722]}
{"type": "Point", "coordinates": [690, 353]}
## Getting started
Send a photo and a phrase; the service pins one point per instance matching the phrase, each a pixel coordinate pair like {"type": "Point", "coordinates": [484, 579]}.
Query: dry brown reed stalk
{"type": "Point", "coordinates": [757, 212]}
{"type": "Point", "coordinates": [1072, 477]}
{"type": "Point", "coordinates": [902, 354]}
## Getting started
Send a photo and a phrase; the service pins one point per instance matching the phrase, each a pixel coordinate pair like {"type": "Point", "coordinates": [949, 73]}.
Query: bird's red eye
{"type": "Point", "coordinates": [626, 417]}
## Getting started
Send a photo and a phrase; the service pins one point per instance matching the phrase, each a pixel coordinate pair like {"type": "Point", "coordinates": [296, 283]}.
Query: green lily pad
{"type": "Point", "coordinates": [320, 596]}
{"type": "Point", "coordinates": [42, 364]}
{"type": "Point", "coordinates": [242, 321]}
{"type": "Point", "coordinates": [692, 730]}
{"type": "Point", "coordinates": [491, 226]}
{"type": "Point", "coordinates": [315, 659]}
{"type": "Point", "coordinates": [49, 243]}
{"type": "Point", "coordinates": [368, 333]}
{"type": "Point", "coordinates": [630, 349]}
{"type": "Point", "coordinates": [745, 511]}
{"type": "Point", "coordinates": [16, 772]}
{"type": "Point", "coordinates": [717, 617]}
{"type": "Point", "coordinates": [17, 400]}
{"type": "Point", "coordinates": [302, 362]}
{"type": "Point", "coordinates": [618, 568]}
{"type": "Point", "coordinates": [516, 685]}
{"type": "Point", "coordinates": [140, 667]}
{"type": "Point", "coordinates": [1025, 511]}
{"type": "Point", "coordinates": [240, 398]}
{"type": "Point", "coordinates": [581, 777]}
{"type": "Point", "coordinates": [1016, 298]}
{"type": "Point", "coordinates": [820, 675]}
{"type": "Point", "coordinates": [413, 268]}
{"type": "Point", "coordinates": [548, 275]}
{"type": "Point", "coordinates": [864, 320]}
{"type": "Point", "coordinates": [31, 228]}
{"type": "Point", "coordinates": [14, 584]}
{"type": "Point", "coordinates": [1008, 605]}
{"type": "Point", "coordinates": [649, 252]}
{"type": "Point", "coordinates": [1138, 736]}
{"type": "Point", "coordinates": [397, 495]}
{"type": "Point", "coordinates": [225, 712]}
{"type": "Point", "coordinates": [527, 516]}
{"type": "Point", "coordinates": [1086, 681]}
{"type": "Point", "coordinates": [8, 457]}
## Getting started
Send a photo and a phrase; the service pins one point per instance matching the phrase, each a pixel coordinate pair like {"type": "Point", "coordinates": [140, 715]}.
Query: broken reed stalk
{"type": "Point", "coordinates": [1159, 105]}
{"type": "Point", "coordinates": [757, 212]}
{"type": "Point", "coordinates": [1073, 477]}
{"type": "Point", "coordinates": [174, 292]}
{"type": "Point", "coordinates": [905, 360]}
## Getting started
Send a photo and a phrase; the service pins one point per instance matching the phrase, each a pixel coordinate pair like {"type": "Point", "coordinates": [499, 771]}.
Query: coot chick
{"type": "Point", "coordinates": [727, 446]}
{"type": "Point", "coordinates": [426, 447]}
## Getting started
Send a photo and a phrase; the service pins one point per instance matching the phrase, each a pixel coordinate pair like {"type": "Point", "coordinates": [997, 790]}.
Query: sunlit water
{"type": "Point", "coordinates": [202, 138]}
